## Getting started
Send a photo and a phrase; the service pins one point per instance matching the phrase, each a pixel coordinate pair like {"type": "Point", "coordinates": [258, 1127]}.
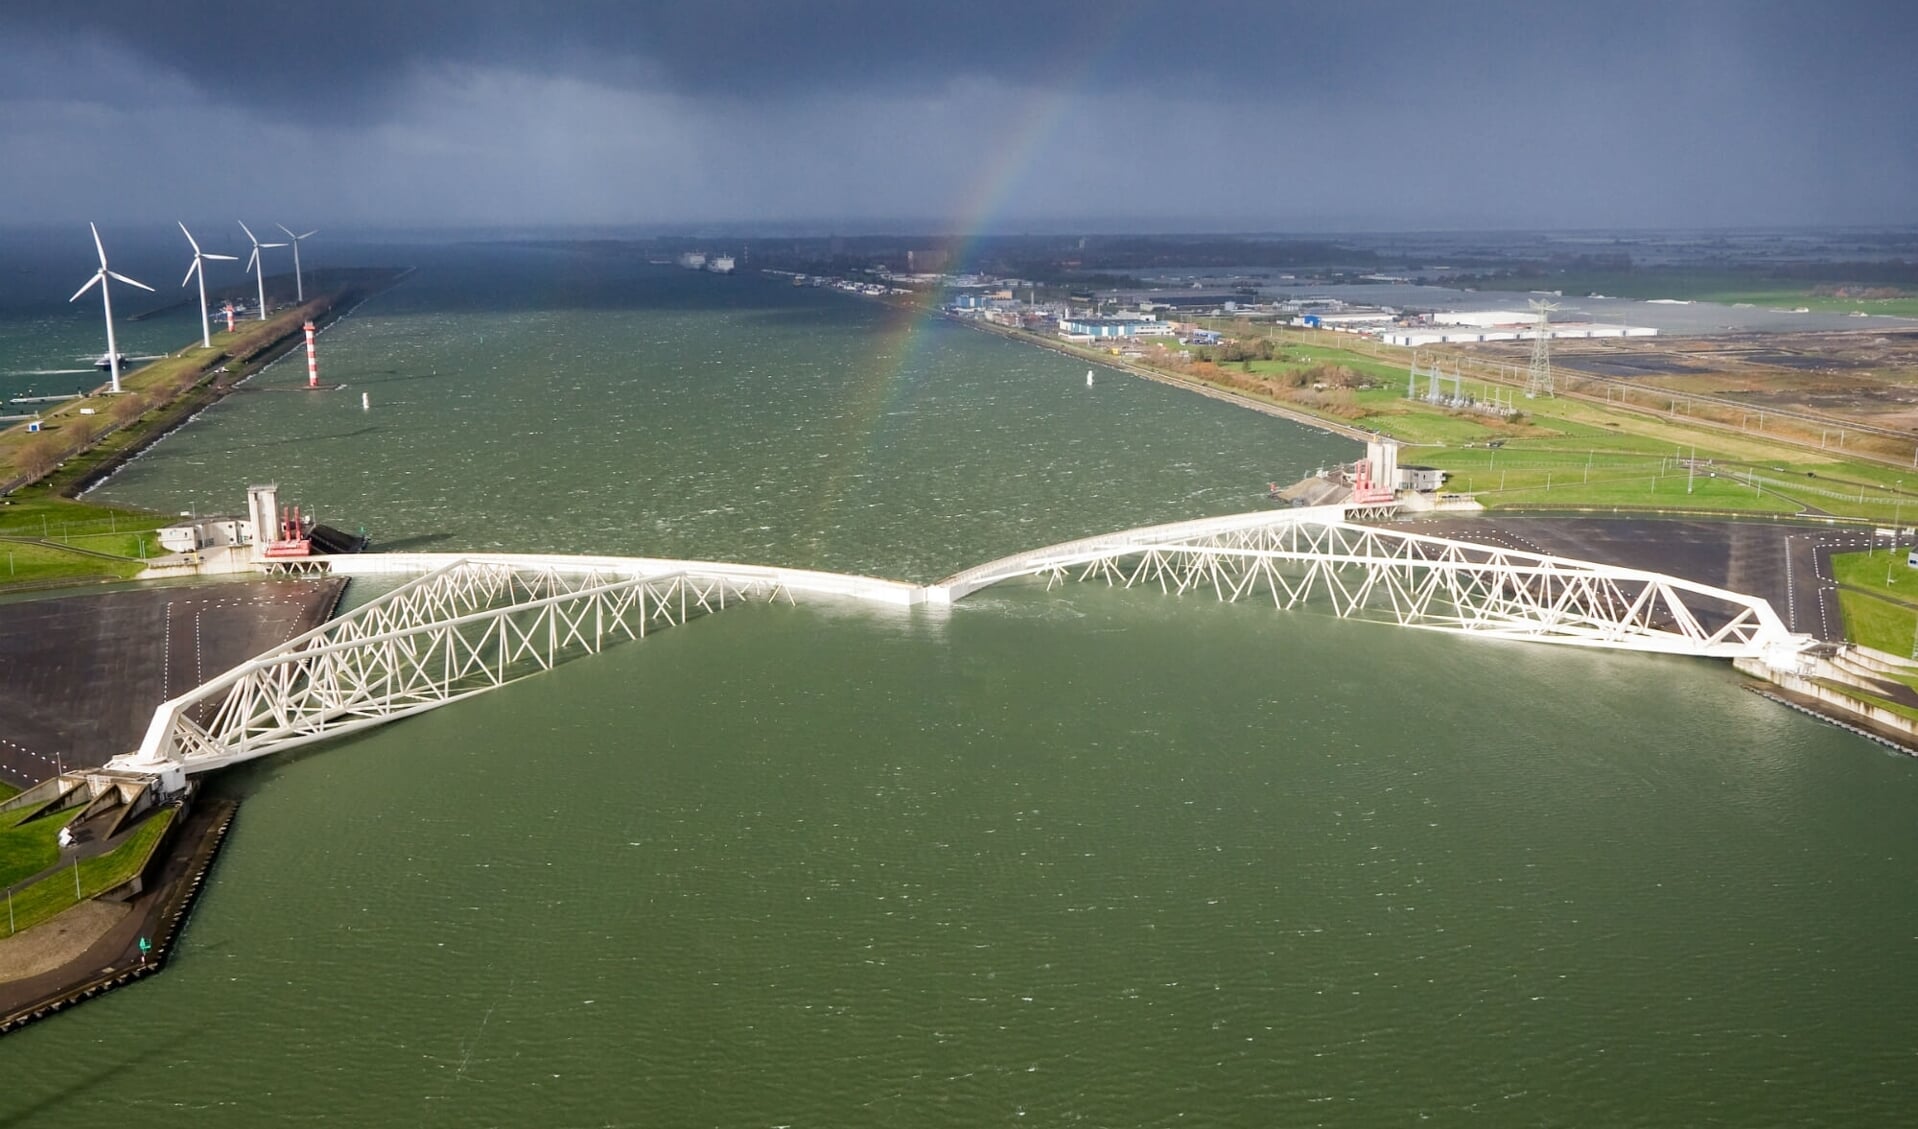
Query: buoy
{"type": "Point", "coordinates": [1088, 378]}
{"type": "Point", "coordinates": [312, 359]}
{"type": "Point", "coordinates": [366, 403]}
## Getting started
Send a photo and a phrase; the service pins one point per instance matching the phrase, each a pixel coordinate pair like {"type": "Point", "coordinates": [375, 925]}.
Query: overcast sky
{"type": "Point", "coordinates": [962, 114]}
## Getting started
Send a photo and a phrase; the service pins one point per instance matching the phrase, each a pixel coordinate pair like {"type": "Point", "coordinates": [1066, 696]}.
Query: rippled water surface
{"type": "Point", "coordinates": [1073, 857]}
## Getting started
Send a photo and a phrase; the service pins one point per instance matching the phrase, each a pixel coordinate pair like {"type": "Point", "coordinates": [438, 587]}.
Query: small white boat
{"type": "Point", "coordinates": [1088, 378]}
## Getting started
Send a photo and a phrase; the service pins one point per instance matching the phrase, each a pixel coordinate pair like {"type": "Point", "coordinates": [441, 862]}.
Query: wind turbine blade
{"type": "Point", "coordinates": [131, 281]}
{"type": "Point", "coordinates": [98, 246]}
{"type": "Point", "coordinates": [228, 258]}
{"type": "Point", "coordinates": [87, 287]}
{"type": "Point", "coordinates": [272, 244]}
{"type": "Point", "coordinates": [288, 230]}
{"type": "Point", "coordinates": [189, 237]}
{"type": "Point", "coordinates": [254, 257]}
{"type": "Point", "coordinates": [249, 233]}
{"type": "Point", "coordinates": [315, 231]}
{"type": "Point", "coordinates": [191, 267]}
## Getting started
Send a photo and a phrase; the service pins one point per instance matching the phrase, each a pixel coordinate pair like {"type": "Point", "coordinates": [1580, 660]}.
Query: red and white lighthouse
{"type": "Point", "coordinates": [312, 359]}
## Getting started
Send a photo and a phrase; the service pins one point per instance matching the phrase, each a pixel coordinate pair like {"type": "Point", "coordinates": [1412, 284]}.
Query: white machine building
{"type": "Point", "coordinates": [195, 534]}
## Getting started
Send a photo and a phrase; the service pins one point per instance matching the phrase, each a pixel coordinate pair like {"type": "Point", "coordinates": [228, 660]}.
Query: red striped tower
{"type": "Point", "coordinates": [312, 359]}
{"type": "Point", "coordinates": [229, 317]}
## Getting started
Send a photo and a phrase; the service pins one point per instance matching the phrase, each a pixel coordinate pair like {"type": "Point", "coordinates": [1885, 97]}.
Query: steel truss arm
{"type": "Point", "coordinates": [1414, 580]}
{"type": "Point", "coordinates": [463, 629]}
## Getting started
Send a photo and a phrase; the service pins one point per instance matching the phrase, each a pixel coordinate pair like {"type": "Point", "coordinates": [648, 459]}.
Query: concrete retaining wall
{"type": "Point", "coordinates": [1825, 695]}
{"type": "Point", "coordinates": [1880, 661]}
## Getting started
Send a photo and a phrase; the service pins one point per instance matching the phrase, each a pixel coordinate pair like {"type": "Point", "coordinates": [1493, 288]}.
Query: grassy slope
{"type": "Point", "coordinates": [32, 848]}
{"type": "Point", "coordinates": [49, 896]}
{"type": "Point", "coordinates": [41, 512]}
{"type": "Point", "coordinates": [34, 514]}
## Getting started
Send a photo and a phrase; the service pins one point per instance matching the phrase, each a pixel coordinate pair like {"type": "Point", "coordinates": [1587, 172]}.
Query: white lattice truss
{"type": "Point", "coordinates": [468, 627]}
{"type": "Point", "coordinates": [468, 624]}
{"type": "Point", "coordinates": [1415, 580]}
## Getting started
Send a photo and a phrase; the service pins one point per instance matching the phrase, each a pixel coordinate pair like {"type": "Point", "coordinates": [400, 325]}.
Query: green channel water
{"type": "Point", "coordinates": [1079, 857]}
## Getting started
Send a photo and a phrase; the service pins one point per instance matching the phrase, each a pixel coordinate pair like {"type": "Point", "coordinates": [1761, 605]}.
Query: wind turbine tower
{"type": "Point", "coordinates": [254, 264]}
{"type": "Point", "coordinates": [299, 280]}
{"type": "Point", "coordinates": [198, 267]}
{"type": "Point", "coordinates": [106, 299]}
{"type": "Point", "coordinates": [1539, 383]}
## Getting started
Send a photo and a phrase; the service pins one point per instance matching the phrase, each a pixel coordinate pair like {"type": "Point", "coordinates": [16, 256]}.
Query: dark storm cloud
{"type": "Point", "coordinates": [1260, 114]}
{"type": "Point", "coordinates": [355, 51]}
{"type": "Point", "coordinates": [358, 51]}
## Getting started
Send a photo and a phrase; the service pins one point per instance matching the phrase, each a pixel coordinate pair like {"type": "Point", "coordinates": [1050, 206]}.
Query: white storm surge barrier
{"type": "Point", "coordinates": [473, 623]}
{"type": "Point", "coordinates": [468, 626]}
{"type": "Point", "coordinates": [1414, 580]}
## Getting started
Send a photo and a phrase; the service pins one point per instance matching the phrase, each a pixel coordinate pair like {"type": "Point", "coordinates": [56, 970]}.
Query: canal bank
{"type": "Point", "coordinates": [1146, 372]}
{"type": "Point", "coordinates": [224, 377]}
{"type": "Point", "coordinates": [81, 446]}
{"type": "Point", "coordinates": [126, 937]}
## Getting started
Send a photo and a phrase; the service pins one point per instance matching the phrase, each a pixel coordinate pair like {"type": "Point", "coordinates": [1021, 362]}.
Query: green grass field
{"type": "Point", "coordinates": [35, 514]}
{"type": "Point", "coordinates": [1881, 571]}
{"type": "Point", "coordinates": [1878, 623]}
{"type": "Point", "coordinates": [1565, 453]}
{"type": "Point", "coordinates": [26, 564]}
{"type": "Point", "coordinates": [50, 896]}
{"type": "Point", "coordinates": [30, 849]}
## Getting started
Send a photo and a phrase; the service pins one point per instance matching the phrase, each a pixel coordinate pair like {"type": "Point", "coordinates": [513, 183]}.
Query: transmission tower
{"type": "Point", "coordinates": [1540, 381]}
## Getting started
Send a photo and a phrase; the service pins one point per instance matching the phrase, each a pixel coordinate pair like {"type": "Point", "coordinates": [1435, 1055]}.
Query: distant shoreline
{"type": "Point", "coordinates": [1236, 398]}
{"type": "Point", "coordinates": [201, 397]}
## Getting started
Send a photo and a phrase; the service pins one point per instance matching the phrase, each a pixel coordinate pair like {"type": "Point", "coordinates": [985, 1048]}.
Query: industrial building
{"type": "Point", "coordinates": [1091, 329]}
{"type": "Point", "coordinates": [196, 534]}
{"type": "Point", "coordinates": [1472, 326]}
{"type": "Point", "coordinates": [1377, 481]}
{"type": "Point", "coordinates": [1420, 479]}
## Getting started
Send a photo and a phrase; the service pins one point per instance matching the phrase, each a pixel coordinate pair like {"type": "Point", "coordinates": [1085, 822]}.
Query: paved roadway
{"type": "Point", "coordinates": [1786, 564]}
{"type": "Point", "coordinates": [80, 676]}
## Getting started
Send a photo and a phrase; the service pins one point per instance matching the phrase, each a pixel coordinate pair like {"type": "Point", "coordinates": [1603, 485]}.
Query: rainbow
{"type": "Point", "coordinates": [905, 335]}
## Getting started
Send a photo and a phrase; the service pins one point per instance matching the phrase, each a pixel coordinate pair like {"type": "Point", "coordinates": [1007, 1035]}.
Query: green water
{"type": "Point", "coordinates": [1081, 857]}
{"type": "Point", "coordinates": [700, 416]}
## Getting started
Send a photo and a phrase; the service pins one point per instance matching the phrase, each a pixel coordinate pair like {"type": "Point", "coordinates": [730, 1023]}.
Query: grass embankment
{"type": "Point", "coordinates": [46, 538]}
{"type": "Point", "coordinates": [1559, 454]}
{"type": "Point", "coordinates": [27, 849]}
{"type": "Point", "coordinates": [79, 436]}
{"type": "Point", "coordinates": [54, 894]}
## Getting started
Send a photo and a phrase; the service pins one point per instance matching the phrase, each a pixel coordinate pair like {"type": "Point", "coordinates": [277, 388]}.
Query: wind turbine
{"type": "Point", "coordinates": [299, 282]}
{"type": "Point", "coordinates": [254, 264]}
{"type": "Point", "coordinates": [199, 257]}
{"type": "Point", "coordinates": [100, 276]}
